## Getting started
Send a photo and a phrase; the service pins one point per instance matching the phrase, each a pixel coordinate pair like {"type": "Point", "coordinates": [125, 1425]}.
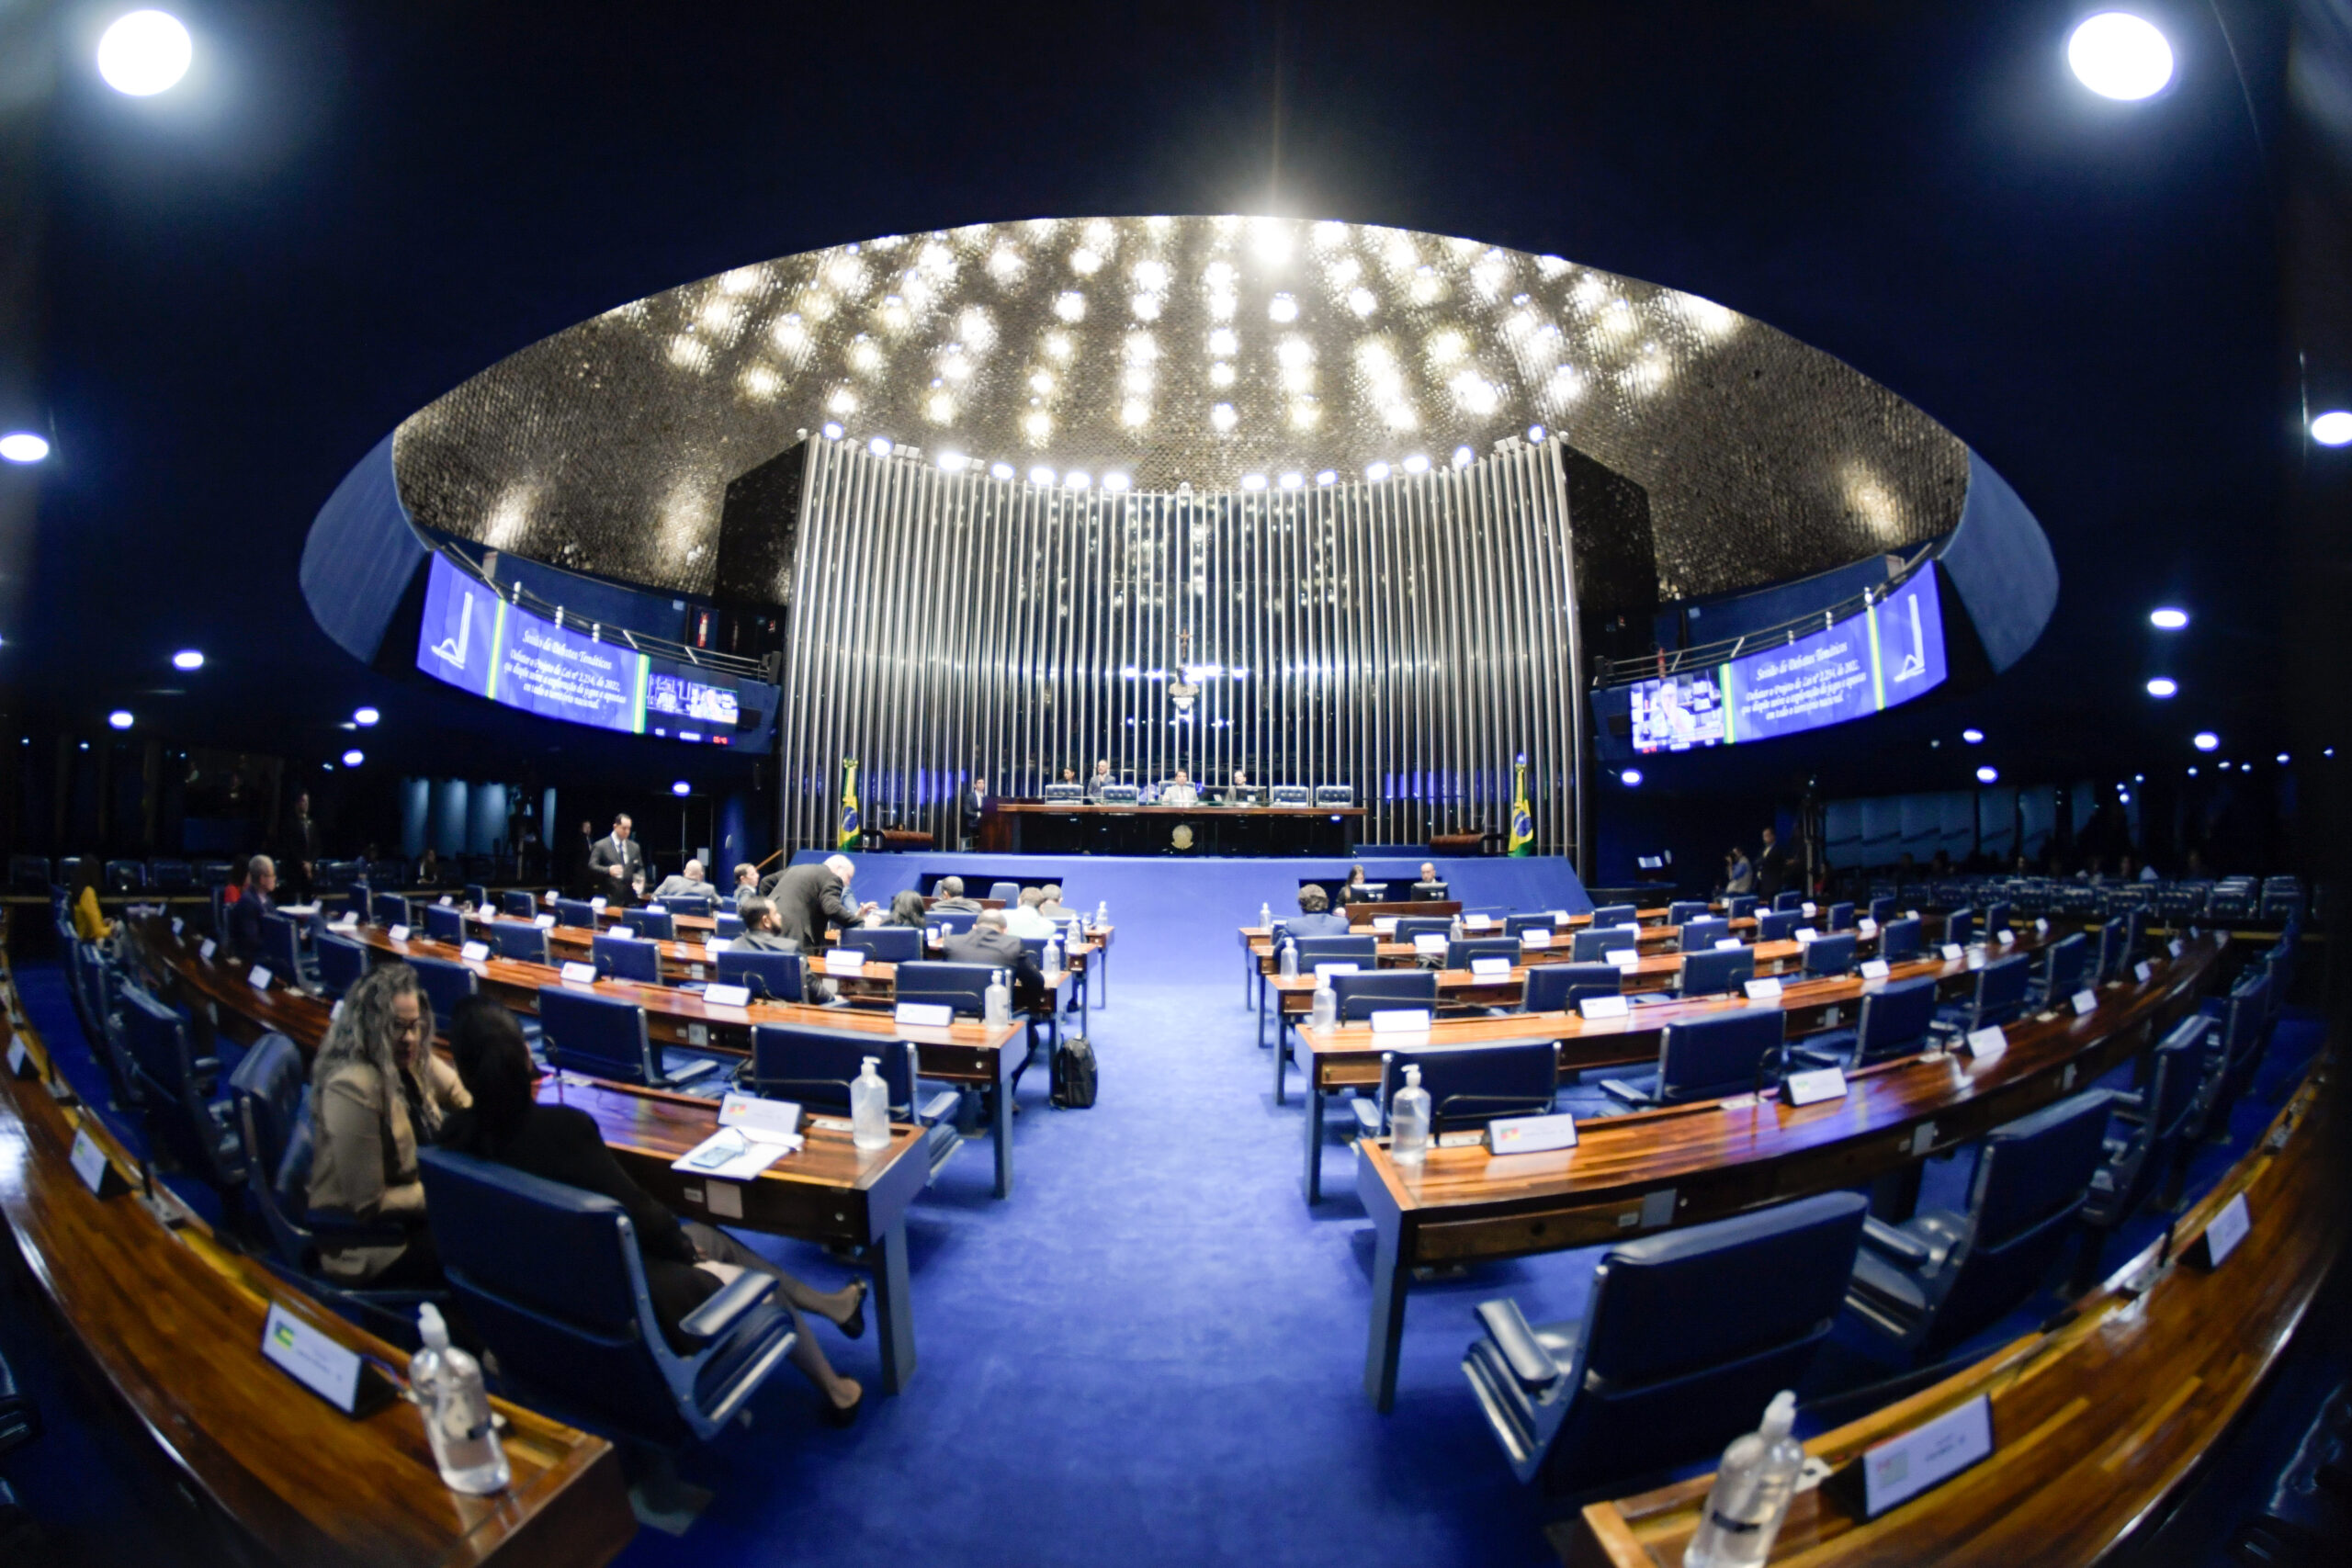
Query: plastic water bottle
{"type": "Point", "coordinates": [1457, 928]}
{"type": "Point", "coordinates": [1408, 1120]}
{"type": "Point", "coordinates": [1053, 956]}
{"type": "Point", "coordinates": [1265, 917]}
{"type": "Point", "coordinates": [1751, 1494]}
{"type": "Point", "coordinates": [1103, 911]}
{"type": "Point", "coordinates": [869, 1108]}
{"type": "Point", "coordinates": [447, 1385]}
{"type": "Point", "coordinates": [997, 1000]}
{"type": "Point", "coordinates": [1327, 1003]}
{"type": "Point", "coordinates": [1288, 964]}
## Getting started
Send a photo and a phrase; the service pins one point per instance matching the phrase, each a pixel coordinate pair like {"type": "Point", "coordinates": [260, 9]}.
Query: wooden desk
{"type": "Point", "coordinates": [172, 1323]}
{"type": "Point", "coordinates": [2097, 1419]}
{"type": "Point", "coordinates": [1687, 1164]}
{"type": "Point", "coordinates": [862, 1202]}
{"type": "Point", "coordinates": [1017, 827]}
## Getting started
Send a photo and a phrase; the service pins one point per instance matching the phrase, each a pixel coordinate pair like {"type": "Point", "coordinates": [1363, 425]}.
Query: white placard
{"type": "Point", "coordinates": [924, 1015]}
{"type": "Point", "coordinates": [1806, 909]}
{"type": "Point", "coordinates": [2176, 945]}
{"type": "Point", "coordinates": [1401, 1021]}
{"type": "Point", "coordinates": [343, 922]}
{"type": "Point", "coordinates": [1814, 1087]}
{"type": "Point", "coordinates": [476, 951]}
{"type": "Point", "coordinates": [399, 933]}
{"type": "Point", "coordinates": [1987, 1043]}
{"type": "Point", "coordinates": [1532, 1135]}
{"type": "Point", "coordinates": [179, 927]}
{"type": "Point", "coordinates": [1384, 925]}
{"type": "Point", "coordinates": [17, 1059]}
{"type": "Point", "coordinates": [2086, 1002]}
{"type": "Point", "coordinates": [1477, 922]}
{"type": "Point", "coordinates": [2226, 1230]}
{"type": "Point", "coordinates": [1430, 942]}
{"type": "Point", "coordinates": [259, 978]}
{"type": "Point", "coordinates": [1866, 927]}
{"type": "Point", "coordinates": [580, 973]}
{"type": "Point", "coordinates": [845, 961]}
{"type": "Point", "coordinates": [596, 903]}
{"type": "Point", "coordinates": [1336, 966]}
{"type": "Point", "coordinates": [316, 1362]}
{"type": "Point", "coordinates": [1805, 934]}
{"type": "Point", "coordinates": [90, 1162]}
{"type": "Point", "coordinates": [655, 910]}
{"type": "Point", "coordinates": [1603, 1006]}
{"type": "Point", "coordinates": [1910, 914]}
{"type": "Point", "coordinates": [1724, 943]}
{"type": "Point", "coordinates": [1953, 951]}
{"type": "Point", "coordinates": [447, 900]}
{"type": "Point", "coordinates": [1767, 989]}
{"type": "Point", "coordinates": [1560, 916]}
{"type": "Point", "coordinates": [1623, 957]}
{"type": "Point", "coordinates": [1902, 1468]}
{"type": "Point", "coordinates": [2142, 971]}
{"type": "Point", "coordinates": [544, 923]}
{"type": "Point", "coordinates": [209, 948]}
{"type": "Point", "coordinates": [727, 995]}
{"type": "Point", "coordinates": [1535, 936]}
{"type": "Point", "coordinates": [718, 944]}
{"type": "Point", "coordinates": [2008, 939]}
{"type": "Point", "coordinates": [1874, 969]}
{"type": "Point", "coordinates": [1490, 968]}
{"type": "Point", "coordinates": [2040, 927]}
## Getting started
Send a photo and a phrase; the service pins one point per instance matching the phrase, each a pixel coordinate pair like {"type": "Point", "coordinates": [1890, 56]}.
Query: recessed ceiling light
{"type": "Point", "coordinates": [366, 715]}
{"type": "Point", "coordinates": [353, 759]}
{"type": "Point", "coordinates": [187, 659]}
{"type": "Point", "coordinates": [144, 52]}
{"type": "Point", "coordinates": [23, 447]}
{"type": "Point", "coordinates": [2163, 686]}
{"type": "Point", "coordinates": [2333, 428]}
{"type": "Point", "coordinates": [119, 718]}
{"type": "Point", "coordinates": [2206, 741]}
{"type": "Point", "coordinates": [1974, 736]}
{"type": "Point", "coordinates": [682, 787]}
{"type": "Point", "coordinates": [2118, 55]}
{"type": "Point", "coordinates": [2168, 618]}
{"type": "Point", "coordinates": [1631, 776]}
{"type": "Point", "coordinates": [830, 431]}
{"type": "Point", "coordinates": [1988, 775]}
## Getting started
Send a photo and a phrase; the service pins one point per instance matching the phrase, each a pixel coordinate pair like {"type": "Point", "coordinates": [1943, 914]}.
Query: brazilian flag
{"type": "Point", "coordinates": [1522, 819]}
{"type": "Point", "coordinates": [851, 834]}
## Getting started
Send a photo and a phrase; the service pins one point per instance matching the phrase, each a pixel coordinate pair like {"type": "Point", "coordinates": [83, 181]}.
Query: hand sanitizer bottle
{"type": "Point", "coordinates": [1408, 1120]}
{"type": "Point", "coordinates": [997, 1000]}
{"type": "Point", "coordinates": [1327, 1003]}
{"type": "Point", "coordinates": [447, 1385]}
{"type": "Point", "coordinates": [1053, 957]}
{"type": "Point", "coordinates": [1266, 916]}
{"type": "Point", "coordinates": [1751, 1494]}
{"type": "Point", "coordinates": [1457, 928]}
{"type": "Point", "coordinates": [869, 1108]}
{"type": "Point", "coordinates": [1103, 911]}
{"type": "Point", "coordinates": [1288, 967]}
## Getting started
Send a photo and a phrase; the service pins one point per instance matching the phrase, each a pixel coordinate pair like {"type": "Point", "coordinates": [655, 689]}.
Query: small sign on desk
{"type": "Point", "coordinates": [544, 923]}
{"type": "Point", "coordinates": [1401, 1021]}
{"type": "Point", "coordinates": [2221, 1234]}
{"type": "Point", "coordinates": [1866, 927]}
{"type": "Point", "coordinates": [2086, 1002]}
{"type": "Point", "coordinates": [399, 933]}
{"type": "Point", "coordinates": [727, 995]}
{"type": "Point", "coordinates": [1987, 1043]}
{"type": "Point", "coordinates": [2142, 971]}
{"type": "Point", "coordinates": [578, 973]}
{"type": "Point", "coordinates": [1489, 968]}
{"type": "Point", "coordinates": [21, 1061]}
{"type": "Point", "coordinates": [1953, 953]}
{"type": "Point", "coordinates": [1535, 936]}
{"type": "Point", "coordinates": [1874, 969]}
{"type": "Point", "coordinates": [475, 952]}
{"type": "Point", "coordinates": [1336, 967]}
{"type": "Point", "coordinates": [1602, 1007]}
{"type": "Point", "coordinates": [1767, 989]}
{"type": "Point", "coordinates": [1814, 1087]}
{"type": "Point", "coordinates": [259, 978]}
{"type": "Point", "coordinates": [844, 960]}
{"type": "Point", "coordinates": [924, 1015]}
{"type": "Point", "coordinates": [97, 1171]}
{"type": "Point", "coordinates": [1926, 1456]}
{"type": "Point", "coordinates": [1532, 1135]}
{"type": "Point", "coordinates": [1623, 957]}
{"type": "Point", "coordinates": [1724, 943]}
{"type": "Point", "coordinates": [334, 1373]}
{"type": "Point", "coordinates": [2174, 946]}
{"type": "Point", "coordinates": [206, 950]}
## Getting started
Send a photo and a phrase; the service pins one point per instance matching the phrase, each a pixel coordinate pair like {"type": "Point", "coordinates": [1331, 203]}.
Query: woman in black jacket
{"type": "Point", "coordinates": [686, 1263]}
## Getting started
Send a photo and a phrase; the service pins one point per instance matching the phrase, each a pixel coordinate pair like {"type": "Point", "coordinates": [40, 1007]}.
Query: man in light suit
{"type": "Point", "coordinates": [617, 864]}
{"type": "Point", "coordinates": [1100, 781]}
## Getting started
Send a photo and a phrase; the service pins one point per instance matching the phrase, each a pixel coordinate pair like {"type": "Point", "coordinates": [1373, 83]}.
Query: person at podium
{"type": "Point", "coordinates": [1359, 891]}
{"type": "Point", "coordinates": [1241, 792]}
{"type": "Point", "coordinates": [1431, 886]}
{"type": "Point", "coordinates": [1100, 781]}
{"type": "Point", "coordinates": [1178, 790]}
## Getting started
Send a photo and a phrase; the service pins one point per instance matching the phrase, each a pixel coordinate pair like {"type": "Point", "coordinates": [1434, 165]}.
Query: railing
{"type": "Point", "coordinates": [1706, 656]}
{"type": "Point", "coordinates": [521, 598]}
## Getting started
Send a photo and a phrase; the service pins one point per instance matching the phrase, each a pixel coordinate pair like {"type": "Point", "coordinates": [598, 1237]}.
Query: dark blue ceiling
{"type": "Point", "coordinates": [351, 207]}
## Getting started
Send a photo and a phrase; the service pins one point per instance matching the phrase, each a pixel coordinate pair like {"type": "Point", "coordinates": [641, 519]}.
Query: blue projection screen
{"type": "Point", "coordinates": [1889, 653]}
{"type": "Point", "coordinates": [471, 637]}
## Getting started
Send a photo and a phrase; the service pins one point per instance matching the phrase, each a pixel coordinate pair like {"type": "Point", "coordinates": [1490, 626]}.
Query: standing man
{"type": "Point", "coordinates": [1771, 866]}
{"type": "Point", "coordinates": [616, 864]}
{"type": "Point", "coordinates": [977, 803]}
{"type": "Point", "coordinates": [300, 849]}
{"type": "Point", "coordinates": [808, 898]}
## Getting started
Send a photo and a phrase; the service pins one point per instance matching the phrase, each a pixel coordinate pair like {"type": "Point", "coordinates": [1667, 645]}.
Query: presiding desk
{"type": "Point", "coordinates": [2096, 1417]}
{"type": "Point", "coordinates": [1687, 1164]}
{"type": "Point", "coordinates": [830, 1192]}
{"type": "Point", "coordinates": [1041, 826]}
{"type": "Point", "coordinates": [171, 1322]}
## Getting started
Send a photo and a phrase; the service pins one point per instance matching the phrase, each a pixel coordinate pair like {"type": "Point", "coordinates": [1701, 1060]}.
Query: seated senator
{"type": "Point", "coordinates": [1359, 891]}
{"type": "Point", "coordinates": [1431, 886]}
{"type": "Point", "coordinates": [685, 1262]}
{"type": "Point", "coordinates": [1178, 790]}
{"type": "Point", "coordinates": [689, 882]}
{"type": "Point", "coordinates": [907, 909]}
{"type": "Point", "coordinates": [245, 915]}
{"type": "Point", "coordinates": [989, 942]}
{"type": "Point", "coordinates": [376, 1090]}
{"type": "Point", "coordinates": [950, 899]}
{"type": "Point", "coordinates": [1314, 917]}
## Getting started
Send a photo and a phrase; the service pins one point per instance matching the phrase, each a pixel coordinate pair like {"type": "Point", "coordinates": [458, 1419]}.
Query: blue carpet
{"type": "Point", "coordinates": [1153, 1351]}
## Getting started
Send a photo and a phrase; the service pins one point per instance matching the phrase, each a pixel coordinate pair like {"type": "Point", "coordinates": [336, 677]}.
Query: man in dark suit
{"type": "Point", "coordinates": [245, 915]}
{"type": "Point", "coordinates": [988, 942]}
{"type": "Point", "coordinates": [1100, 781]}
{"type": "Point", "coordinates": [1771, 866]}
{"type": "Point", "coordinates": [808, 898]}
{"type": "Point", "coordinates": [299, 848]}
{"type": "Point", "coordinates": [1431, 886]}
{"type": "Point", "coordinates": [978, 803]}
{"type": "Point", "coordinates": [1314, 917]}
{"type": "Point", "coordinates": [951, 898]}
{"type": "Point", "coordinates": [616, 864]}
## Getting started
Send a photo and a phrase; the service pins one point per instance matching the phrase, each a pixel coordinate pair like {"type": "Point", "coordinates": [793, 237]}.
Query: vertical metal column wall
{"type": "Point", "coordinates": [1407, 638]}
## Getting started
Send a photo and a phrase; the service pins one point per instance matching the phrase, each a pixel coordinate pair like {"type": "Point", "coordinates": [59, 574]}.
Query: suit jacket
{"type": "Point", "coordinates": [1316, 925]}
{"type": "Point", "coordinates": [672, 887]}
{"type": "Point", "coordinates": [975, 805]}
{"type": "Point", "coordinates": [1771, 869]}
{"type": "Point", "coordinates": [807, 899]}
{"type": "Point", "coordinates": [765, 942]}
{"type": "Point", "coordinates": [956, 905]}
{"type": "Point", "coordinates": [244, 923]}
{"type": "Point", "coordinates": [1095, 783]}
{"type": "Point", "coordinates": [999, 949]}
{"type": "Point", "coordinates": [606, 853]}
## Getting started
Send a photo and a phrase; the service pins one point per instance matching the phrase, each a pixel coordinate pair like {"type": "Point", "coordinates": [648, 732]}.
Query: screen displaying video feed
{"type": "Point", "coordinates": [680, 697]}
{"type": "Point", "coordinates": [1676, 713]}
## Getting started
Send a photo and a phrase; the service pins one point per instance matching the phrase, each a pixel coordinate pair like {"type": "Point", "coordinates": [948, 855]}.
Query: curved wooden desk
{"type": "Point", "coordinates": [1687, 1164]}
{"type": "Point", "coordinates": [171, 1322]}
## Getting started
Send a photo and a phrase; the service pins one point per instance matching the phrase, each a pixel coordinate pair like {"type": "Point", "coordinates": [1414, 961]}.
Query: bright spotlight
{"type": "Point", "coordinates": [2166, 618]}
{"type": "Point", "coordinates": [353, 759]}
{"type": "Point", "coordinates": [1327, 477]}
{"type": "Point", "coordinates": [1253, 482]}
{"type": "Point", "coordinates": [2282, 759]}
{"type": "Point", "coordinates": [1535, 433]}
{"type": "Point", "coordinates": [1974, 736]}
{"type": "Point", "coordinates": [1375, 472]}
{"type": "Point", "coordinates": [682, 787]}
{"type": "Point", "coordinates": [2333, 428]}
{"type": "Point", "coordinates": [1077, 479]}
{"type": "Point", "coordinates": [881, 446]}
{"type": "Point", "coordinates": [2163, 686]}
{"type": "Point", "coordinates": [1293, 481]}
{"type": "Point", "coordinates": [1042, 476]}
{"type": "Point", "coordinates": [364, 715]}
{"type": "Point", "coordinates": [1988, 775]}
{"type": "Point", "coordinates": [23, 447]}
{"type": "Point", "coordinates": [830, 431]}
{"type": "Point", "coordinates": [2118, 55]}
{"type": "Point", "coordinates": [144, 52]}
{"type": "Point", "coordinates": [187, 659]}
{"type": "Point", "coordinates": [1116, 481]}
{"type": "Point", "coordinates": [1416, 464]}
{"type": "Point", "coordinates": [999, 470]}
{"type": "Point", "coordinates": [952, 462]}
{"type": "Point", "coordinates": [119, 718]}
{"type": "Point", "coordinates": [1630, 777]}
{"type": "Point", "coordinates": [2206, 741]}
{"type": "Point", "coordinates": [1464, 456]}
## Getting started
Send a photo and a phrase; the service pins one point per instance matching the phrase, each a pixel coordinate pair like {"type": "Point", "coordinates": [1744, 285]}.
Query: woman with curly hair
{"type": "Point", "coordinates": [378, 1091]}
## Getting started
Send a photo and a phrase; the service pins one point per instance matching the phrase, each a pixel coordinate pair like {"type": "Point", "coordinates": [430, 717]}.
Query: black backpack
{"type": "Point", "coordinates": [1073, 1067]}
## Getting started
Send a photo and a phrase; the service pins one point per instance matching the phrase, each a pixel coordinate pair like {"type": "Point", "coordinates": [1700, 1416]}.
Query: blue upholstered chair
{"type": "Point", "coordinates": [953, 922]}
{"type": "Point", "coordinates": [2061, 969]}
{"type": "Point", "coordinates": [445, 984]}
{"type": "Point", "coordinates": [183, 1117]}
{"type": "Point", "coordinates": [550, 1277]}
{"type": "Point", "coordinates": [1996, 919]}
{"type": "Point", "coordinates": [1830, 955]}
{"type": "Point", "coordinates": [619, 956]}
{"type": "Point", "coordinates": [477, 896]}
{"type": "Point", "coordinates": [1682, 911]}
{"type": "Point", "coordinates": [2145, 1153]}
{"type": "Point", "coordinates": [729, 925]}
{"type": "Point", "coordinates": [1362, 950]}
{"type": "Point", "coordinates": [1469, 1086]}
{"type": "Point", "coordinates": [1740, 906]}
{"type": "Point", "coordinates": [2114, 951]}
{"type": "Point", "coordinates": [1882, 908]}
{"type": "Point", "coordinates": [1997, 996]}
{"type": "Point", "coordinates": [1939, 1277]}
{"type": "Point", "coordinates": [1777, 925]}
{"type": "Point", "coordinates": [524, 944]}
{"type": "Point", "coordinates": [1789, 901]}
{"type": "Point", "coordinates": [281, 949]}
{"type": "Point", "coordinates": [1895, 1021]}
{"type": "Point", "coordinates": [388, 909]}
{"type": "Point", "coordinates": [124, 876]}
{"type": "Point", "coordinates": [1596, 941]}
{"type": "Point", "coordinates": [963, 986]}
{"type": "Point", "coordinates": [517, 904]}
{"type": "Point", "coordinates": [1559, 987]}
{"type": "Point", "coordinates": [1460, 951]}
{"type": "Point", "coordinates": [698, 904]}
{"type": "Point", "coordinates": [445, 922]}
{"type": "Point", "coordinates": [1841, 918]}
{"type": "Point", "coordinates": [650, 925]}
{"type": "Point", "coordinates": [1898, 939]}
{"type": "Point", "coordinates": [1959, 926]}
{"type": "Point", "coordinates": [605, 1037]}
{"type": "Point", "coordinates": [341, 963]}
{"type": "Point", "coordinates": [769, 977]}
{"type": "Point", "coordinates": [1657, 1373]}
{"type": "Point", "coordinates": [1379, 991]}
{"type": "Point", "coordinates": [1007, 893]}
{"type": "Point", "coordinates": [814, 1066]}
{"type": "Point", "coordinates": [1709, 1058]}
{"type": "Point", "coordinates": [575, 912]}
{"type": "Point", "coordinates": [2238, 1032]}
{"type": "Point", "coordinates": [1701, 935]}
{"type": "Point", "coordinates": [1411, 926]}
{"type": "Point", "coordinates": [885, 944]}
{"type": "Point", "coordinates": [1616, 915]}
{"type": "Point", "coordinates": [1715, 973]}
{"type": "Point", "coordinates": [1514, 924]}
